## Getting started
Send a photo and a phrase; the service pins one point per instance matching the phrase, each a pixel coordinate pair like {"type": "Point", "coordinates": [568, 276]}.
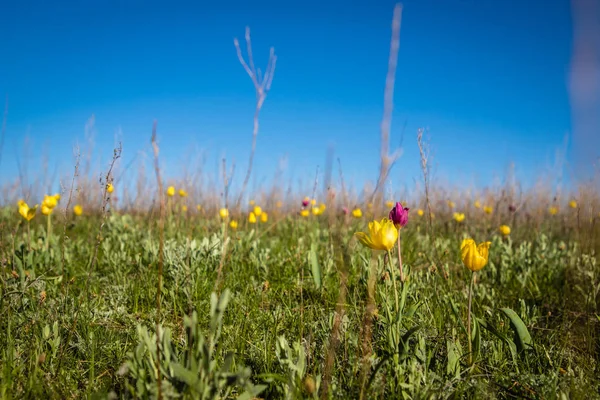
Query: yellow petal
{"type": "Point", "coordinates": [388, 235]}
{"type": "Point", "coordinates": [364, 239]}
{"type": "Point", "coordinates": [374, 228]}
{"type": "Point", "coordinates": [484, 249]}
{"type": "Point", "coordinates": [31, 213]}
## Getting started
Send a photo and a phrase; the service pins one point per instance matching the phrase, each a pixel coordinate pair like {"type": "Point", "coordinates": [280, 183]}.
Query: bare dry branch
{"type": "Point", "coordinates": [262, 85]}
{"type": "Point", "coordinates": [387, 160]}
{"type": "Point", "coordinates": [161, 229]}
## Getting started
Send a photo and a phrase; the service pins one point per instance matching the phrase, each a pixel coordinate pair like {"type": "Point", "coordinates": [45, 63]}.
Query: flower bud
{"type": "Point", "coordinates": [399, 215]}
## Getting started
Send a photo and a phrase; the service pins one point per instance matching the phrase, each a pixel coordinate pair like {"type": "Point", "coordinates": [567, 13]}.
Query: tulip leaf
{"type": "Point", "coordinates": [511, 345]}
{"type": "Point", "coordinates": [403, 345]}
{"type": "Point", "coordinates": [453, 356]}
{"type": "Point", "coordinates": [314, 266]}
{"type": "Point", "coordinates": [476, 339]}
{"type": "Point", "coordinates": [522, 336]}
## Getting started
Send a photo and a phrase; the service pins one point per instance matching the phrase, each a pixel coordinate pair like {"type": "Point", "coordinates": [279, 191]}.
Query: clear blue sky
{"type": "Point", "coordinates": [488, 78]}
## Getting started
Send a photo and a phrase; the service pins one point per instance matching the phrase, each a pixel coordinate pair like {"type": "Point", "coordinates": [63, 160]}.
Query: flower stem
{"type": "Point", "coordinates": [400, 259]}
{"type": "Point", "coordinates": [48, 231]}
{"type": "Point", "coordinates": [469, 319]}
{"type": "Point", "coordinates": [29, 236]}
{"type": "Point", "coordinates": [389, 259]}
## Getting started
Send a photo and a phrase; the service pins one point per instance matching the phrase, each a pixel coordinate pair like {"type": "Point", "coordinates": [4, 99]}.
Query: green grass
{"type": "Point", "coordinates": [269, 328]}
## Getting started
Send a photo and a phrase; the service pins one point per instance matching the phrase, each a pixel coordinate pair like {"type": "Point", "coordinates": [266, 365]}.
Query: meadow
{"type": "Point", "coordinates": [139, 286]}
{"type": "Point", "coordinates": [278, 297]}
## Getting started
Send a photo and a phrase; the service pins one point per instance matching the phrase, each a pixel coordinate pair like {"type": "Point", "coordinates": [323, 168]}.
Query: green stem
{"type": "Point", "coordinates": [389, 258]}
{"type": "Point", "coordinates": [402, 278]}
{"type": "Point", "coordinates": [48, 232]}
{"type": "Point", "coordinates": [469, 319]}
{"type": "Point", "coordinates": [28, 236]}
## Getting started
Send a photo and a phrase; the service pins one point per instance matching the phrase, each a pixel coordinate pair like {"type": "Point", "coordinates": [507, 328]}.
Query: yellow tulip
{"type": "Point", "coordinates": [171, 191]}
{"type": "Point", "coordinates": [77, 210]}
{"type": "Point", "coordinates": [46, 210]}
{"type": "Point", "coordinates": [279, 204]}
{"type": "Point", "coordinates": [488, 209]}
{"type": "Point", "coordinates": [25, 211]}
{"type": "Point", "coordinates": [317, 211]}
{"type": "Point", "coordinates": [420, 212]}
{"type": "Point", "coordinates": [57, 196]}
{"type": "Point", "coordinates": [257, 211]}
{"type": "Point", "coordinates": [182, 193]}
{"type": "Point", "coordinates": [474, 256]}
{"type": "Point", "coordinates": [252, 218]}
{"type": "Point", "coordinates": [233, 224]}
{"type": "Point", "coordinates": [477, 204]}
{"type": "Point", "coordinates": [357, 213]}
{"type": "Point", "coordinates": [49, 202]}
{"type": "Point", "coordinates": [504, 229]}
{"type": "Point", "coordinates": [458, 217]}
{"type": "Point", "coordinates": [305, 213]}
{"type": "Point", "coordinates": [553, 210]}
{"type": "Point", "coordinates": [322, 207]}
{"type": "Point", "coordinates": [389, 204]}
{"type": "Point", "coordinates": [382, 235]}
{"type": "Point", "coordinates": [251, 202]}
{"type": "Point", "coordinates": [110, 188]}
{"type": "Point", "coordinates": [313, 202]}
{"type": "Point", "coordinates": [451, 204]}
{"type": "Point", "coordinates": [198, 207]}
{"type": "Point", "coordinates": [184, 208]}
{"type": "Point", "coordinates": [224, 213]}
{"type": "Point", "coordinates": [573, 204]}
{"type": "Point", "coordinates": [264, 217]}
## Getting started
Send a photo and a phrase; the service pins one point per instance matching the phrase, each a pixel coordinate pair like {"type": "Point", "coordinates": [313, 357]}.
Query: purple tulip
{"type": "Point", "coordinates": [399, 215]}
{"type": "Point", "coordinates": [305, 202]}
{"type": "Point", "coordinates": [345, 210]}
{"type": "Point", "coordinates": [512, 208]}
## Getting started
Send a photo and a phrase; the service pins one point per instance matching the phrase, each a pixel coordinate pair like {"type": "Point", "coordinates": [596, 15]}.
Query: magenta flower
{"type": "Point", "coordinates": [399, 215]}
{"type": "Point", "coordinates": [345, 210]}
{"type": "Point", "coordinates": [305, 202]}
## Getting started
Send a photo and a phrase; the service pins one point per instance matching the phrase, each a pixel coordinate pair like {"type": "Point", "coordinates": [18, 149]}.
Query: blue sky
{"type": "Point", "coordinates": [488, 79]}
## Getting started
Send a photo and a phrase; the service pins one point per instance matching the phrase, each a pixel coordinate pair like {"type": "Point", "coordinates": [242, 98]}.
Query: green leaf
{"type": "Point", "coordinates": [314, 266]}
{"type": "Point", "coordinates": [252, 392]}
{"type": "Point", "coordinates": [522, 336]}
{"type": "Point", "coordinates": [476, 339]}
{"type": "Point", "coordinates": [403, 350]}
{"type": "Point", "coordinates": [511, 345]}
{"type": "Point", "coordinates": [453, 354]}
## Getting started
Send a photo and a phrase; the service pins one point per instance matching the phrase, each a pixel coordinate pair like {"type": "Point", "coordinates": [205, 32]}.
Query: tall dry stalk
{"type": "Point", "coordinates": [344, 193]}
{"type": "Point", "coordinates": [262, 85]}
{"type": "Point", "coordinates": [161, 247]}
{"type": "Point", "coordinates": [584, 86]}
{"type": "Point", "coordinates": [425, 168]}
{"type": "Point", "coordinates": [226, 180]}
{"type": "Point", "coordinates": [66, 218]}
{"type": "Point", "coordinates": [388, 160]}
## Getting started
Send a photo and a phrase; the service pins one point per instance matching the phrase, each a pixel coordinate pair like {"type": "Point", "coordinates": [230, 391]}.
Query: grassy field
{"type": "Point", "coordinates": [295, 306]}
